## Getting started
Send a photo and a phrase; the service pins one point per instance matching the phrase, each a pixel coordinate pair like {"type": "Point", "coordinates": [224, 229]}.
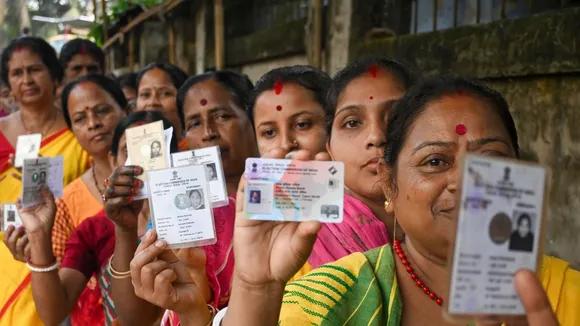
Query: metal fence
{"type": "Point", "coordinates": [432, 15]}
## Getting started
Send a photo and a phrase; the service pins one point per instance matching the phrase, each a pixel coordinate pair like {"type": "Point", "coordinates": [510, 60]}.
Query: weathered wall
{"type": "Point", "coordinates": [257, 69]}
{"type": "Point", "coordinates": [535, 63]}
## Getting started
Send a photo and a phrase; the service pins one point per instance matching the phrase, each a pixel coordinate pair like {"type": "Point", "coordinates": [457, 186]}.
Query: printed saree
{"type": "Point", "coordinates": [360, 231]}
{"type": "Point", "coordinates": [362, 289]}
{"type": "Point", "coordinates": [16, 302]}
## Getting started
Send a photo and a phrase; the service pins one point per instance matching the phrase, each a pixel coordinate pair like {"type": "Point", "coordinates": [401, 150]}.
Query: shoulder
{"type": "Point", "coordinates": [562, 285]}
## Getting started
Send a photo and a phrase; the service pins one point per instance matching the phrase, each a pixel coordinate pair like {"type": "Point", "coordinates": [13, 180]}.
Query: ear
{"type": "Point", "coordinates": [385, 175]}
{"type": "Point", "coordinates": [329, 151]}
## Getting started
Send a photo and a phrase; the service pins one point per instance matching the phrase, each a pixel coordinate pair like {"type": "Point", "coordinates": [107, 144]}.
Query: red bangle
{"type": "Point", "coordinates": [39, 266]}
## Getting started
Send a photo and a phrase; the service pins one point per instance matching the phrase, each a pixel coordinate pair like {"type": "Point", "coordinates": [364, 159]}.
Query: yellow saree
{"type": "Point", "coordinates": [16, 302]}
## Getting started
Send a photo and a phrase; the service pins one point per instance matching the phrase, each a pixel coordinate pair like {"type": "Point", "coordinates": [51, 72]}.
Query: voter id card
{"type": "Point", "coordinates": [37, 172]}
{"type": "Point", "coordinates": [296, 191]}
{"type": "Point", "coordinates": [9, 214]}
{"type": "Point", "coordinates": [499, 231]}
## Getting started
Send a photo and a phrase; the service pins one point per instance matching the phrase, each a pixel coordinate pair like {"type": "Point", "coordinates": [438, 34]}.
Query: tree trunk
{"type": "Point", "coordinates": [3, 9]}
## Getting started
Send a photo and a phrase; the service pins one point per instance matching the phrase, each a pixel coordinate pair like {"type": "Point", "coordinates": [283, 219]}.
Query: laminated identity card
{"type": "Point", "coordinates": [210, 158]}
{"type": "Point", "coordinates": [37, 172]}
{"type": "Point", "coordinates": [180, 206]}
{"type": "Point", "coordinates": [10, 216]}
{"type": "Point", "coordinates": [292, 190]}
{"type": "Point", "coordinates": [499, 231]}
{"type": "Point", "coordinates": [27, 146]}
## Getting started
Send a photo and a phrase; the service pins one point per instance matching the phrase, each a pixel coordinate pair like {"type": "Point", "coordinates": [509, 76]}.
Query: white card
{"type": "Point", "coordinates": [498, 233]}
{"type": "Point", "coordinates": [143, 193]}
{"type": "Point", "coordinates": [41, 171]}
{"type": "Point", "coordinates": [209, 157]}
{"type": "Point", "coordinates": [290, 190]}
{"type": "Point", "coordinates": [10, 217]}
{"type": "Point", "coordinates": [181, 207]}
{"type": "Point", "coordinates": [27, 146]}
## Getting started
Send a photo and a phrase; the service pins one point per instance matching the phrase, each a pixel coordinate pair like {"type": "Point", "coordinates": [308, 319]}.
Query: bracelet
{"type": "Point", "coordinates": [42, 268]}
{"type": "Point", "coordinates": [217, 321]}
{"type": "Point", "coordinates": [116, 274]}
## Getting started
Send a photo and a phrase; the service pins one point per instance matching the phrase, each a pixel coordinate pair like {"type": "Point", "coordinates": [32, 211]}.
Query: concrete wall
{"type": "Point", "coordinates": [535, 63]}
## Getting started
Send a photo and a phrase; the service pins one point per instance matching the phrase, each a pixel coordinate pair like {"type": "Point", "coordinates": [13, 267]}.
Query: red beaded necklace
{"type": "Point", "coordinates": [414, 276]}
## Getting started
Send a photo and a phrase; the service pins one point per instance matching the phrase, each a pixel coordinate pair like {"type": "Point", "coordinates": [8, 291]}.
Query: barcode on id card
{"type": "Point", "coordinates": [332, 183]}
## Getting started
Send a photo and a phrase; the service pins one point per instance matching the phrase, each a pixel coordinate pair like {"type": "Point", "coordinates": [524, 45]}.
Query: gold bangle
{"type": "Point", "coordinates": [116, 274]}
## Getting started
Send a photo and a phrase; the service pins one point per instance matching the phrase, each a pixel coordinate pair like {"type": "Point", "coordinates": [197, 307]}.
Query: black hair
{"type": "Point", "coordinates": [177, 75]}
{"type": "Point", "coordinates": [525, 217]}
{"type": "Point", "coordinates": [406, 111]}
{"type": "Point", "coordinates": [107, 84]}
{"type": "Point", "coordinates": [145, 117]}
{"type": "Point", "coordinates": [310, 78]}
{"type": "Point", "coordinates": [81, 46]}
{"type": "Point", "coordinates": [37, 45]}
{"type": "Point", "coordinates": [128, 80]}
{"type": "Point", "coordinates": [406, 75]}
{"type": "Point", "coordinates": [239, 85]}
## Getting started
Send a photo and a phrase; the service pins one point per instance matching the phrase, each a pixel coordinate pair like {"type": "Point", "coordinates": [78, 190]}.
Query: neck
{"type": "Point", "coordinates": [378, 209]}
{"type": "Point", "coordinates": [431, 269]}
{"type": "Point", "coordinates": [36, 118]}
{"type": "Point", "coordinates": [102, 168]}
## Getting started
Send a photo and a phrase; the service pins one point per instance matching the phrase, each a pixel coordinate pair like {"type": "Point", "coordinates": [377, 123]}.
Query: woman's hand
{"type": "Point", "coordinates": [17, 242]}
{"type": "Point", "coordinates": [160, 278]}
{"type": "Point", "coordinates": [271, 252]}
{"type": "Point", "coordinates": [535, 301]}
{"type": "Point", "coordinates": [39, 218]}
{"type": "Point", "coordinates": [122, 185]}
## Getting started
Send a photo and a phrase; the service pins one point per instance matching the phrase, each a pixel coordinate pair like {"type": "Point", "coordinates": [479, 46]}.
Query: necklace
{"type": "Point", "coordinates": [96, 183]}
{"type": "Point", "coordinates": [41, 133]}
{"type": "Point", "coordinates": [414, 276]}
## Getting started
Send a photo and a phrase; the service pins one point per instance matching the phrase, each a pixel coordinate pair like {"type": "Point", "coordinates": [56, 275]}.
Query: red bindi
{"type": "Point", "coordinates": [460, 129]}
{"type": "Point", "coordinates": [19, 48]}
{"type": "Point", "coordinates": [86, 108]}
{"type": "Point", "coordinates": [279, 107]}
{"type": "Point", "coordinates": [278, 87]}
{"type": "Point", "coordinates": [83, 49]}
{"type": "Point", "coordinates": [203, 102]}
{"type": "Point", "coordinates": [373, 70]}
{"type": "Point", "coordinates": [370, 98]}
{"type": "Point", "coordinates": [459, 93]}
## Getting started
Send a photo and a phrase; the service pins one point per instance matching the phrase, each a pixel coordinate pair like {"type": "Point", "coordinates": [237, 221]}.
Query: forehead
{"type": "Point", "coordinates": [214, 94]}
{"type": "Point", "coordinates": [88, 94]}
{"type": "Point", "coordinates": [383, 87]}
{"type": "Point", "coordinates": [440, 118]}
{"type": "Point", "coordinates": [156, 77]}
{"type": "Point", "coordinates": [293, 98]}
{"type": "Point", "coordinates": [23, 56]}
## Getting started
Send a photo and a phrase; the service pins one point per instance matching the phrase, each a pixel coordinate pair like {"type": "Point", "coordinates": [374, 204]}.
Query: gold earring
{"type": "Point", "coordinates": [387, 204]}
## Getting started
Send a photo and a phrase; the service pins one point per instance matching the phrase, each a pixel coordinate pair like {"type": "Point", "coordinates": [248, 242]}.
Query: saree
{"type": "Point", "coordinates": [76, 205]}
{"type": "Point", "coordinates": [360, 231]}
{"type": "Point", "coordinates": [63, 142]}
{"type": "Point", "coordinates": [16, 302]}
{"type": "Point", "coordinates": [362, 289]}
{"type": "Point", "coordinates": [220, 260]}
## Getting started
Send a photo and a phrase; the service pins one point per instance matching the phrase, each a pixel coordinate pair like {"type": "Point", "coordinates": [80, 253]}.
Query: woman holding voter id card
{"type": "Point", "coordinates": [31, 68]}
{"type": "Point", "coordinates": [429, 131]}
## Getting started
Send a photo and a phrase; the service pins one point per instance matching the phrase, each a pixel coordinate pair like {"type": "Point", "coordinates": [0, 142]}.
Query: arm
{"type": "Point", "coordinates": [131, 309]}
{"type": "Point", "coordinates": [124, 212]}
{"type": "Point", "coordinates": [55, 293]}
{"type": "Point", "coordinates": [254, 305]}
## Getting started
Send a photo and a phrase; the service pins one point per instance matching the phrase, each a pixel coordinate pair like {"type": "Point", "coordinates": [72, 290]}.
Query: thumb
{"type": "Point", "coordinates": [534, 299]}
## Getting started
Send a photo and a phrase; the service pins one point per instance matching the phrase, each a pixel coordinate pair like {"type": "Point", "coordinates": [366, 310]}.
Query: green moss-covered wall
{"type": "Point", "coordinates": [535, 63]}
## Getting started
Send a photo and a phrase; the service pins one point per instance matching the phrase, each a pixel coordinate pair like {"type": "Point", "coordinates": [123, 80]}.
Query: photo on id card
{"type": "Point", "coordinates": [292, 190]}
{"type": "Point", "coordinates": [180, 205]}
{"type": "Point", "coordinates": [499, 231]}
{"type": "Point", "coordinates": [10, 216]}
{"type": "Point", "coordinates": [210, 158]}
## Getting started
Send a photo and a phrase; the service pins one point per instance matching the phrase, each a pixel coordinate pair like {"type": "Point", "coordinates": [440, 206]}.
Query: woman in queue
{"type": "Point", "coordinates": [157, 86]}
{"type": "Point", "coordinates": [31, 68]}
{"type": "Point", "coordinates": [212, 108]}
